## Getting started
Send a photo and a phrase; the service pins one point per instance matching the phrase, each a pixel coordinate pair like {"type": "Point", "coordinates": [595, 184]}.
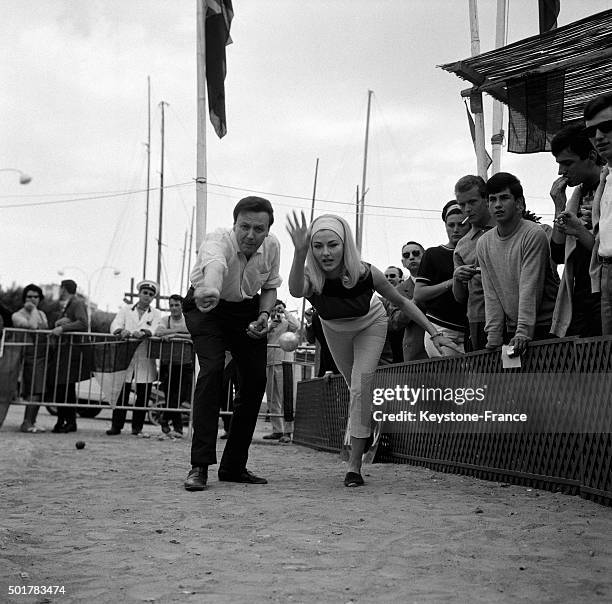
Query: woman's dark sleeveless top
{"type": "Point", "coordinates": [338, 302]}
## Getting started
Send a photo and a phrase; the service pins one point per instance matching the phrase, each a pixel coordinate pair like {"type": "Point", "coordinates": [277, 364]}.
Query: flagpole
{"type": "Point", "coordinates": [498, 109]}
{"type": "Point", "coordinates": [476, 106]}
{"type": "Point", "coordinates": [201, 190]}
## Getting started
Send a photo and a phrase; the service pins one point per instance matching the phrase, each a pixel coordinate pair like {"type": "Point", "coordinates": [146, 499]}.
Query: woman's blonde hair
{"type": "Point", "coordinates": [351, 259]}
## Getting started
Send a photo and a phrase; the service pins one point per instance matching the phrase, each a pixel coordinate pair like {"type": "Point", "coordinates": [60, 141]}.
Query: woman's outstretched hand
{"type": "Point", "coordinates": [298, 230]}
{"type": "Point", "coordinates": [441, 342]}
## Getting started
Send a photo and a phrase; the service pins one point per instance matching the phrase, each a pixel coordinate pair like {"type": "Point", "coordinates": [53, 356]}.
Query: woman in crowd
{"type": "Point", "coordinates": [434, 283]}
{"type": "Point", "coordinates": [33, 383]}
{"type": "Point", "coordinates": [327, 270]}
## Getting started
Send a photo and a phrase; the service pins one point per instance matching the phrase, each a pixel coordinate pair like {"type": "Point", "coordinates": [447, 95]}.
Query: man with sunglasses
{"type": "Point", "coordinates": [412, 342]}
{"type": "Point", "coordinates": [139, 321]}
{"type": "Point", "coordinates": [598, 120]}
{"type": "Point", "coordinates": [471, 196]}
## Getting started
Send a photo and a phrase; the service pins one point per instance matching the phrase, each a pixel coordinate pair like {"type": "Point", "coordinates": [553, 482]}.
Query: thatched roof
{"type": "Point", "coordinates": [560, 69]}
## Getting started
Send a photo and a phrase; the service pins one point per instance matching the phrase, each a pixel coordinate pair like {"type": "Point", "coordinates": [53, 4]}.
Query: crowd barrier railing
{"type": "Point", "coordinates": [564, 389]}
{"type": "Point", "coordinates": [91, 370]}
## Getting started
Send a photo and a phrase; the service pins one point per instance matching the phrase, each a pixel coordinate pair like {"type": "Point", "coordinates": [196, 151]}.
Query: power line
{"type": "Point", "coordinates": [230, 187]}
{"type": "Point", "coordinates": [93, 198]}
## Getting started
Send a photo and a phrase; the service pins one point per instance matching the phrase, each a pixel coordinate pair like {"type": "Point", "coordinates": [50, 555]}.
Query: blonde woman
{"type": "Point", "coordinates": [328, 271]}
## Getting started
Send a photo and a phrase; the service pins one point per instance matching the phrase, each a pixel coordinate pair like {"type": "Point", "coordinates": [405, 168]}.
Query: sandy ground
{"type": "Point", "coordinates": [112, 523]}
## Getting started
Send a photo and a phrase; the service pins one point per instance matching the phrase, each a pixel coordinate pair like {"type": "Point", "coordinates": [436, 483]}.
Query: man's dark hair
{"type": "Point", "coordinates": [504, 180]}
{"type": "Point", "coordinates": [32, 288]}
{"type": "Point", "coordinates": [465, 183]}
{"type": "Point", "coordinates": [398, 269]}
{"type": "Point", "coordinates": [176, 297]}
{"type": "Point", "coordinates": [574, 138]}
{"type": "Point", "coordinates": [69, 285]}
{"type": "Point", "coordinates": [599, 103]}
{"type": "Point", "coordinates": [254, 204]}
{"type": "Point", "coordinates": [280, 302]}
{"type": "Point", "coordinates": [413, 243]}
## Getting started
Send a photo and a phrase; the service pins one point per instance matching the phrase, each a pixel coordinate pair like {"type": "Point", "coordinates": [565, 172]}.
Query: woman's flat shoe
{"type": "Point", "coordinates": [352, 479]}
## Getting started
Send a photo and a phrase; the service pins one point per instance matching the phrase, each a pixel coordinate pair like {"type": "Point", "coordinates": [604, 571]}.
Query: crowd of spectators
{"type": "Point", "coordinates": [491, 282]}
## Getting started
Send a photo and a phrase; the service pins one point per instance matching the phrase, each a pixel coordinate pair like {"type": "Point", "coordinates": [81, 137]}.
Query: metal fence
{"type": "Point", "coordinates": [39, 368]}
{"type": "Point", "coordinates": [564, 386]}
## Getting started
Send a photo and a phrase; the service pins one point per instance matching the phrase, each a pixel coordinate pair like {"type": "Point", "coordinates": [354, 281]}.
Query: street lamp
{"type": "Point", "coordinates": [88, 278]}
{"type": "Point", "coordinates": [24, 178]}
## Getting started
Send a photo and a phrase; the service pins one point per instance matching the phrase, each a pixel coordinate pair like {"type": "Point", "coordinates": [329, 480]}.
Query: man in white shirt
{"type": "Point", "coordinates": [280, 322]}
{"type": "Point", "coordinates": [224, 311]}
{"type": "Point", "coordinates": [138, 321]}
{"type": "Point", "coordinates": [598, 121]}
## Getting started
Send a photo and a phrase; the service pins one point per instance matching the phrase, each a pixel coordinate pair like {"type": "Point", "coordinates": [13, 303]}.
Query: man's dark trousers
{"type": "Point", "coordinates": [224, 328]}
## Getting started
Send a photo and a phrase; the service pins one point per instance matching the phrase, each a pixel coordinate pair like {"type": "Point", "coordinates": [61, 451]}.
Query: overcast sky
{"type": "Point", "coordinates": [74, 107]}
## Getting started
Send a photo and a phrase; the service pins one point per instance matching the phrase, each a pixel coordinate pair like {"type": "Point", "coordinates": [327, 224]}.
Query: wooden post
{"type": "Point", "coordinates": [476, 99]}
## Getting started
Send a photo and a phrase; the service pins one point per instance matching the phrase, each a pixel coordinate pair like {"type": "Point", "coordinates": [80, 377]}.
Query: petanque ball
{"type": "Point", "coordinates": [288, 341]}
{"type": "Point", "coordinates": [80, 444]}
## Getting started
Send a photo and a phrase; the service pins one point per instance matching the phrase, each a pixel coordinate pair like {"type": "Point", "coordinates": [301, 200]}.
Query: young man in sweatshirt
{"type": "Point", "coordinates": [519, 286]}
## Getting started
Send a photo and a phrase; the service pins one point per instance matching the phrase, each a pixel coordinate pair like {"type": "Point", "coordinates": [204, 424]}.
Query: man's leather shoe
{"type": "Point", "coordinates": [70, 427]}
{"type": "Point", "coordinates": [196, 479]}
{"type": "Point", "coordinates": [58, 428]}
{"type": "Point", "coordinates": [245, 477]}
{"type": "Point", "coordinates": [273, 436]}
{"type": "Point", "coordinates": [113, 431]}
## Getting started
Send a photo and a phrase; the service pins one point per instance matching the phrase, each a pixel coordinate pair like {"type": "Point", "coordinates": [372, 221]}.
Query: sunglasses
{"type": "Point", "coordinates": [147, 292]}
{"type": "Point", "coordinates": [391, 276]}
{"type": "Point", "coordinates": [415, 253]}
{"type": "Point", "coordinates": [605, 126]}
{"type": "Point", "coordinates": [33, 296]}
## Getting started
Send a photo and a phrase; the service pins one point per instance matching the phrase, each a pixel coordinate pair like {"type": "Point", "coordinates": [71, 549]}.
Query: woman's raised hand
{"type": "Point", "coordinates": [298, 230]}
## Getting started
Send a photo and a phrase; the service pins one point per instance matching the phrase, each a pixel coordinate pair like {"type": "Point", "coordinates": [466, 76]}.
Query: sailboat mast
{"type": "Point", "coordinates": [363, 176]}
{"type": "Point", "coordinates": [190, 244]}
{"type": "Point", "coordinates": [183, 261]}
{"type": "Point", "coordinates": [161, 202]}
{"type": "Point", "coordinates": [312, 210]}
{"type": "Point", "coordinates": [146, 237]}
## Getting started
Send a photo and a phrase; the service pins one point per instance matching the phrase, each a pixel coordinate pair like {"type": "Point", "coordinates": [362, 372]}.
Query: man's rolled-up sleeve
{"type": "Point", "coordinates": [274, 279]}
{"type": "Point", "coordinates": [215, 249]}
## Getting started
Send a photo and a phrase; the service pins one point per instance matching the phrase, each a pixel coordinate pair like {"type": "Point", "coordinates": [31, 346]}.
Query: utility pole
{"type": "Point", "coordinates": [161, 203]}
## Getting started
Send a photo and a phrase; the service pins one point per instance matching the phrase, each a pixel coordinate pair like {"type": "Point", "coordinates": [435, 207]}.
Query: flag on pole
{"type": "Point", "coordinates": [473, 133]}
{"type": "Point", "coordinates": [548, 11]}
{"type": "Point", "coordinates": [218, 16]}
